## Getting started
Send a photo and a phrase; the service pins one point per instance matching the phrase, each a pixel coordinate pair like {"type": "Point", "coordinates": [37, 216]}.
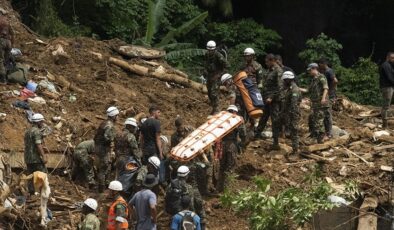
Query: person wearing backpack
{"type": "Point", "coordinates": [186, 219]}
{"type": "Point", "coordinates": [179, 188]}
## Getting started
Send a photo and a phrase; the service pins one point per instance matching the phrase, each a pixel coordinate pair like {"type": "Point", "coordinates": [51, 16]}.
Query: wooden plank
{"type": "Point", "coordinates": [16, 160]}
{"type": "Point", "coordinates": [329, 144]}
{"type": "Point", "coordinates": [317, 157]}
{"type": "Point", "coordinates": [367, 219]}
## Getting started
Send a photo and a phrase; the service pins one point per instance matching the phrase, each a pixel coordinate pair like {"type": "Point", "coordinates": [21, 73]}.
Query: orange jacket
{"type": "Point", "coordinates": [112, 214]}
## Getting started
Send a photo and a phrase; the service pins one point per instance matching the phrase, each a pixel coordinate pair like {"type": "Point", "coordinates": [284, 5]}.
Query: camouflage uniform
{"type": "Point", "coordinates": [126, 145]}
{"type": "Point", "coordinates": [83, 161]}
{"type": "Point", "coordinates": [254, 71]}
{"type": "Point", "coordinates": [273, 88]}
{"type": "Point", "coordinates": [91, 222]}
{"type": "Point", "coordinates": [291, 108]}
{"type": "Point", "coordinates": [229, 157]}
{"type": "Point", "coordinates": [103, 140]}
{"type": "Point", "coordinates": [5, 48]}
{"type": "Point", "coordinates": [32, 156]}
{"type": "Point", "coordinates": [215, 64]}
{"type": "Point", "coordinates": [315, 90]}
{"type": "Point", "coordinates": [235, 98]}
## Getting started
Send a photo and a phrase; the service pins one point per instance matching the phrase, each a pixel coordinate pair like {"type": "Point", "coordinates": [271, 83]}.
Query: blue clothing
{"type": "Point", "coordinates": [177, 221]}
{"type": "Point", "coordinates": [142, 201]}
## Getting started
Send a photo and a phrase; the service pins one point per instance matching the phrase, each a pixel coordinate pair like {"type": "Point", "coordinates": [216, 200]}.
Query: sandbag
{"type": "Point", "coordinates": [250, 95]}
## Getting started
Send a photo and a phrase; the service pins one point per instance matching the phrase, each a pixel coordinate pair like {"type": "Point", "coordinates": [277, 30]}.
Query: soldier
{"type": "Point", "coordinates": [126, 144]}
{"type": "Point", "coordinates": [215, 64]}
{"type": "Point", "coordinates": [104, 146]}
{"type": "Point", "coordinates": [386, 83]}
{"type": "Point", "coordinates": [152, 167]}
{"type": "Point", "coordinates": [83, 162]}
{"type": "Point", "coordinates": [252, 68]}
{"type": "Point", "coordinates": [229, 155]}
{"type": "Point", "coordinates": [35, 157]}
{"type": "Point", "coordinates": [180, 187]}
{"type": "Point", "coordinates": [91, 222]}
{"type": "Point", "coordinates": [332, 82]}
{"type": "Point", "coordinates": [318, 92]}
{"type": "Point", "coordinates": [5, 47]}
{"type": "Point", "coordinates": [291, 103]}
{"type": "Point", "coordinates": [118, 212]}
{"type": "Point", "coordinates": [273, 95]}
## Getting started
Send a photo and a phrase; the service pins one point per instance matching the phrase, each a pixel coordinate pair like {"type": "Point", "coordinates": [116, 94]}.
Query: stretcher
{"type": "Point", "coordinates": [218, 126]}
{"type": "Point", "coordinates": [250, 95]}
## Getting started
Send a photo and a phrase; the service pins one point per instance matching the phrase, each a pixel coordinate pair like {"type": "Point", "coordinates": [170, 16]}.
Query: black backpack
{"type": "Point", "coordinates": [173, 197]}
{"type": "Point", "coordinates": [187, 222]}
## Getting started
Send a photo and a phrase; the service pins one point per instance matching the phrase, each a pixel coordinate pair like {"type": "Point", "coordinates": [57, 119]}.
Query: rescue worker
{"type": "Point", "coordinates": [215, 64]}
{"type": "Point", "coordinates": [180, 187]}
{"type": "Point", "coordinates": [229, 154]}
{"type": "Point", "coordinates": [234, 98]}
{"type": "Point", "coordinates": [83, 158]}
{"type": "Point", "coordinates": [153, 167]}
{"type": "Point", "coordinates": [118, 211]}
{"type": "Point", "coordinates": [252, 68]}
{"type": "Point", "coordinates": [292, 100]}
{"type": "Point", "coordinates": [35, 157]}
{"type": "Point", "coordinates": [91, 222]}
{"type": "Point", "coordinates": [104, 146]}
{"type": "Point", "coordinates": [6, 37]}
{"type": "Point", "coordinates": [318, 93]}
{"type": "Point", "coordinates": [386, 83]}
{"type": "Point", "coordinates": [332, 83]}
{"type": "Point", "coordinates": [151, 143]}
{"type": "Point", "coordinates": [273, 95]}
{"type": "Point", "coordinates": [126, 144]}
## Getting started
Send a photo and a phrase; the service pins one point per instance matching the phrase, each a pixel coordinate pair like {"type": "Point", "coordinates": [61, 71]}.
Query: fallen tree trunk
{"type": "Point", "coordinates": [367, 219]}
{"type": "Point", "coordinates": [64, 83]}
{"type": "Point", "coordinates": [180, 80]}
{"type": "Point", "coordinates": [134, 68]}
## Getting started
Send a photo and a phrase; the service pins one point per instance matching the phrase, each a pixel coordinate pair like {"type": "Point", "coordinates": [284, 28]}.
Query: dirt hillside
{"type": "Point", "coordinates": [135, 94]}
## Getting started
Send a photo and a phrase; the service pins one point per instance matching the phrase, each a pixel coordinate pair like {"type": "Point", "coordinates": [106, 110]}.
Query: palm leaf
{"type": "Point", "coordinates": [183, 29]}
{"type": "Point", "coordinates": [155, 13]}
{"type": "Point", "coordinates": [186, 53]}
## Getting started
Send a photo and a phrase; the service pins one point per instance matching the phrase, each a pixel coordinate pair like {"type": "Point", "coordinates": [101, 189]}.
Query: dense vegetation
{"type": "Point", "coordinates": [182, 27]}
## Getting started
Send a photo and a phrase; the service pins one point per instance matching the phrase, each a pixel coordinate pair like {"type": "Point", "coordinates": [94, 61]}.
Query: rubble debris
{"type": "Point", "coordinates": [133, 51]}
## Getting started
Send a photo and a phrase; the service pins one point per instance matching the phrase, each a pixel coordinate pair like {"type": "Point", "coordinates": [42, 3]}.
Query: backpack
{"type": "Point", "coordinates": [173, 197]}
{"type": "Point", "coordinates": [187, 222]}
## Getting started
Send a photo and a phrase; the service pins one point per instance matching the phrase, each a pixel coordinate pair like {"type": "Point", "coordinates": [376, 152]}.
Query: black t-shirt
{"type": "Point", "coordinates": [149, 129]}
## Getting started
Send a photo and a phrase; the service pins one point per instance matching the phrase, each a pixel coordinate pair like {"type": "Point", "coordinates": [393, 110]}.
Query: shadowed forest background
{"type": "Point", "coordinates": [358, 33]}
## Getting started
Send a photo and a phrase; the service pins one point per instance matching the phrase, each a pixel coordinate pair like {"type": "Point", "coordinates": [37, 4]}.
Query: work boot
{"type": "Point", "coordinates": [275, 145]}
{"type": "Point", "coordinates": [3, 79]}
{"type": "Point", "coordinates": [320, 138]}
{"type": "Point", "coordinates": [385, 124]}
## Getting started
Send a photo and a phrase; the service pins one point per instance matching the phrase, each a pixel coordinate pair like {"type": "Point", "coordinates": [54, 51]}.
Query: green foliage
{"type": "Point", "coordinates": [360, 83]}
{"type": "Point", "coordinates": [183, 29]}
{"type": "Point", "coordinates": [319, 47]}
{"type": "Point", "coordinates": [47, 21]}
{"type": "Point", "coordinates": [225, 6]}
{"type": "Point", "coordinates": [238, 35]}
{"type": "Point", "coordinates": [155, 14]}
{"type": "Point", "coordinates": [291, 207]}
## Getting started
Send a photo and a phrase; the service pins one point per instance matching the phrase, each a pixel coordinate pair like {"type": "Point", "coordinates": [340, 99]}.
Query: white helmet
{"type": "Point", "coordinates": [112, 111]}
{"type": "Point", "coordinates": [154, 161]}
{"type": "Point", "coordinates": [131, 121]}
{"type": "Point", "coordinates": [232, 107]}
{"type": "Point", "coordinates": [288, 75]}
{"type": "Point", "coordinates": [37, 117]}
{"type": "Point", "coordinates": [183, 171]}
{"type": "Point", "coordinates": [115, 186]}
{"type": "Point", "coordinates": [164, 139]}
{"type": "Point", "coordinates": [91, 203]}
{"type": "Point", "coordinates": [249, 51]}
{"type": "Point", "coordinates": [225, 77]}
{"type": "Point", "coordinates": [211, 45]}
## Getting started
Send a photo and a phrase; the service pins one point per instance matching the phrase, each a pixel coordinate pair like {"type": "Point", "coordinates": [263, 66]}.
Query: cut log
{"type": "Point", "coordinates": [368, 219]}
{"type": "Point", "coordinates": [180, 80]}
{"type": "Point", "coordinates": [388, 139]}
{"type": "Point", "coordinates": [68, 85]}
{"type": "Point", "coordinates": [134, 68]}
{"type": "Point", "coordinates": [329, 144]}
{"type": "Point", "coordinates": [379, 148]}
{"type": "Point", "coordinates": [133, 51]}
{"type": "Point", "coordinates": [386, 168]}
